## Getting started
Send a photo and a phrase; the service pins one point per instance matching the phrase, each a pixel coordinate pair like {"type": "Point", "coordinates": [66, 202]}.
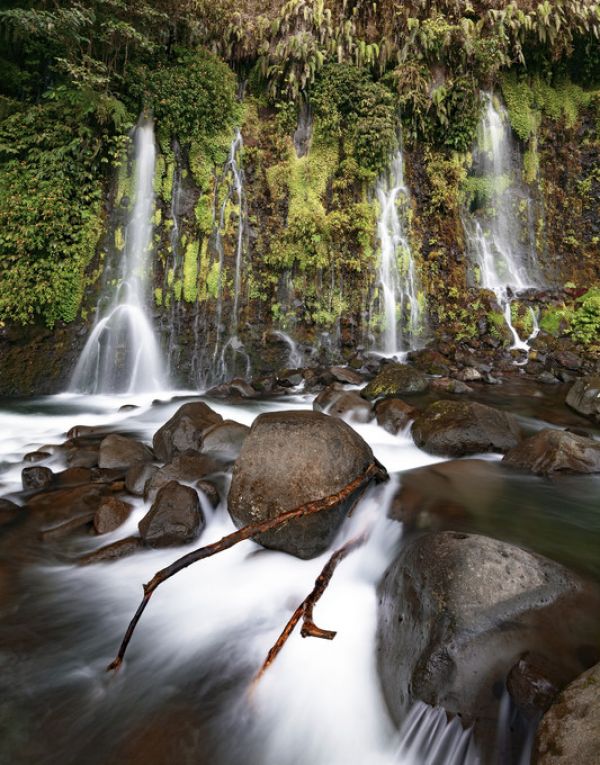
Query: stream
{"type": "Point", "coordinates": [183, 694]}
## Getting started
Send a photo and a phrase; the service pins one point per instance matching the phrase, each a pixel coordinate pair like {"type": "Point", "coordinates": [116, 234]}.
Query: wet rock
{"type": "Point", "coordinates": [584, 397]}
{"type": "Point", "coordinates": [37, 478]}
{"type": "Point", "coordinates": [111, 514]}
{"type": "Point", "coordinates": [121, 452]}
{"type": "Point", "coordinates": [289, 378]}
{"type": "Point", "coordinates": [449, 385]}
{"type": "Point", "coordinates": [210, 491]}
{"type": "Point", "coordinates": [224, 440]}
{"type": "Point", "coordinates": [36, 456]}
{"type": "Point", "coordinates": [447, 493]}
{"type": "Point", "coordinates": [115, 551]}
{"type": "Point", "coordinates": [470, 374]}
{"type": "Point", "coordinates": [270, 476]}
{"type": "Point", "coordinates": [83, 457]}
{"type": "Point", "coordinates": [66, 528]}
{"type": "Point", "coordinates": [9, 511]}
{"type": "Point", "coordinates": [328, 396]}
{"type": "Point", "coordinates": [73, 476]}
{"type": "Point", "coordinates": [533, 683]}
{"type": "Point", "coordinates": [553, 451]}
{"type": "Point", "coordinates": [547, 378]}
{"type": "Point", "coordinates": [184, 430]}
{"type": "Point", "coordinates": [394, 415]}
{"type": "Point", "coordinates": [137, 476]}
{"type": "Point", "coordinates": [569, 732]}
{"type": "Point", "coordinates": [175, 517]}
{"type": "Point", "coordinates": [242, 388]}
{"type": "Point", "coordinates": [188, 467]}
{"type": "Point", "coordinates": [457, 612]}
{"type": "Point", "coordinates": [429, 361]}
{"type": "Point", "coordinates": [346, 375]}
{"type": "Point", "coordinates": [568, 360]}
{"type": "Point", "coordinates": [66, 503]}
{"type": "Point", "coordinates": [336, 401]}
{"type": "Point", "coordinates": [394, 381]}
{"type": "Point", "coordinates": [458, 428]}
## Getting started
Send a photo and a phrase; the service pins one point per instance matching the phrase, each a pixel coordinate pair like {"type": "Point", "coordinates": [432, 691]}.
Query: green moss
{"type": "Point", "coordinates": [213, 280]}
{"type": "Point", "coordinates": [554, 319]}
{"type": "Point", "coordinates": [190, 272]}
{"type": "Point", "coordinates": [119, 238]}
{"type": "Point", "coordinates": [204, 214]}
{"type": "Point", "coordinates": [585, 322]}
{"type": "Point", "coordinates": [167, 183]}
{"type": "Point", "coordinates": [531, 162]}
{"type": "Point", "coordinates": [518, 97]}
{"type": "Point", "coordinates": [158, 296]}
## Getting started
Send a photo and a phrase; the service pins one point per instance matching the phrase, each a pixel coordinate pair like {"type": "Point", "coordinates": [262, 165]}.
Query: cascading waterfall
{"type": "Point", "coordinates": [121, 353]}
{"type": "Point", "coordinates": [505, 265]}
{"type": "Point", "coordinates": [398, 280]}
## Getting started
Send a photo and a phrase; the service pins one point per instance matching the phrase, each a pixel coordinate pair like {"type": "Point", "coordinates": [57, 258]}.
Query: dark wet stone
{"type": "Point", "coordinates": [394, 415]}
{"type": "Point", "coordinates": [66, 528]}
{"type": "Point", "coordinates": [270, 476]}
{"type": "Point", "coordinates": [210, 491]}
{"type": "Point", "coordinates": [73, 476]}
{"type": "Point", "coordinates": [345, 375]}
{"type": "Point", "coordinates": [289, 378]}
{"type": "Point", "coordinates": [137, 476]}
{"type": "Point", "coordinates": [111, 514]}
{"type": "Point", "coordinates": [37, 478]}
{"type": "Point", "coordinates": [569, 733]}
{"type": "Point", "coordinates": [429, 361]}
{"type": "Point", "coordinates": [449, 385]}
{"type": "Point", "coordinates": [553, 451]}
{"type": "Point", "coordinates": [584, 397]}
{"type": "Point", "coordinates": [188, 467]}
{"type": "Point", "coordinates": [458, 428]}
{"type": "Point", "coordinates": [224, 440]}
{"type": "Point", "coordinates": [533, 683]}
{"type": "Point", "coordinates": [115, 551]}
{"type": "Point", "coordinates": [121, 452]}
{"type": "Point", "coordinates": [184, 430]}
{"type": "Point", "coordinates": [175, 517]}
{"type": "Point", "coordinates": [9, 511]}
{"type": "Point", "coordinates": [38, 456]}
{"type": "Point", "coordinates": [394, 381]}
{"type": "Point", "coordinates": [66, 503]}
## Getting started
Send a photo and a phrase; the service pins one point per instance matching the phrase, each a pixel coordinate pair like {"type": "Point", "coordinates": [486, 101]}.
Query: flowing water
{"type": "Point", "coordinates": [403, 316]}
{"type": "Point", "coordinates": [500, 247]}
{"type": "Point", "coordinates": [184, 694]}
{"type": "Point", "coordinates": [121, 353]}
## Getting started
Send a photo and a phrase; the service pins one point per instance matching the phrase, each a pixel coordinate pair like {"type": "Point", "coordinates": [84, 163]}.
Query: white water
{"type": "Point", "coordinates": [121, 353]}
{"type": "Point", "coordinates": [398, 279]}
{"type": "Point", "coordinates": [506, 266]}
{"type": "Point", "coordinates": [320, 702]}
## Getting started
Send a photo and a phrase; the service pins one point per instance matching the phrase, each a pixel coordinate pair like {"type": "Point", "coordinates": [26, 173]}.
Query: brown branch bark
{"type": "Point", "coordinates": [305, 609]}
{"type": "Point", "coordinates": [375, 470]}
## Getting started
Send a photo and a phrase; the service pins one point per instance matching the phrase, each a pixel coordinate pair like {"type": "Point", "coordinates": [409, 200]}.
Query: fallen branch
{"type": "Point", "coordinates": [375, 470]}
{"type": "Point", "coordinates": [305, 609]}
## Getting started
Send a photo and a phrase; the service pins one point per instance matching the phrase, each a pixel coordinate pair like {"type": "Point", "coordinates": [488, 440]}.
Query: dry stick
{"type": "Point", "coordinates": [305, 609]}
{"type": "Point", "coordinates": [375, 470]}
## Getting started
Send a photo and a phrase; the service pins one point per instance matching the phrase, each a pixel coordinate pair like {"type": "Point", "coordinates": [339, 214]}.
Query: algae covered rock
{"type": "Point", "coordinates": [396, 380]}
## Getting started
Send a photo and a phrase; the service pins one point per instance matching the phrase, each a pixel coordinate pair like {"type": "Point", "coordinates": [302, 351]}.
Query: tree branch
{"type": "Point", "coordinates": [375, 470]}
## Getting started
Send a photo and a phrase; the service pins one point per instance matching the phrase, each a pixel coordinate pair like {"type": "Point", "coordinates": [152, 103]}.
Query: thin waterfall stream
{"type": "Point", "coordinates": [402, 312]}
{"type": "Point", "coordinates": [121, 353]}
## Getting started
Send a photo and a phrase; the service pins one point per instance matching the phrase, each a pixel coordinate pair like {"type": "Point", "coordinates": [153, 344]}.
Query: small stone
{"type": "Point", "coordinates": [175, 517]}
{"type": "Point", "coordinates": [37, 478]}
{"type": "Point", "coordinates": [111, 514]}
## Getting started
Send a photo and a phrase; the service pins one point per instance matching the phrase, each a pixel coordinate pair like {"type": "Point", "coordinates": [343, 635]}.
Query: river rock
{"type": "Point", "coordinates": [457, 428]}
{"type": "Point", "coordinates": [66, 503]}
{"type": "Point", "coordinates": [137, 476]}
{"type": "Point", "coordinates": [210, 491]}
{"type": "Point", "coordinates": [86, 457]}
{"type": "Point", "coordinates": [569, 733]}
{"type": "Point", "coordinates": [224, 440]}
{"type": "Point", "coordinates": [553, 451]}
{"type": "Point", "coordinates": [534, 683]}
{"type": "Point", "coordinates": [121, 452]}
{"type": "Point", "coordinates": [456, 613]}
{"type": "Point", "coordinates": [188, 467]}
{"type": "Point", "coordinates": [175, 517]}
{"type": "Point", "coordinates": [122, 548]}
{"type": "Point", "coordinates": [346, 375]}
{"type": "Point", "coordinates": [337, 401]}
{"type": "Point", "coordinates": [36, 478]}
{"type": "Point", "coordinates": [287, 460]}
{"type": "Point", "coordinates": [394, 381]}
{"type": "Point", "coordinates": [111, 514]}
{"type": "Point", "coordinates": [393, 414]}
{"type": "Point", "coordinates": [38, 456]}
{"type": "Point", "coordinates": [184, 430]}
{"type": "Point", "coordinates": [74, 476]}
{"type": "Point", "coordinates": [450, 385]}
{"type": "Point", "coordinates": [584, 397]}
{"type": "Point", "coordinates": [9, 511]}
{"type": "Point", "coordinates": [429, 361]}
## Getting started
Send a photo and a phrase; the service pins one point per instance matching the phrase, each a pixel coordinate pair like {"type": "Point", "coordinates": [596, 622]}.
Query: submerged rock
{"type": "Point", "coordinates": [337, 401]}
{"type": "Point", "coordinates": [394, 415]}
{"type": "Point", "coordinates": [184, 430]}
{"type": "Point", "coordinates": [175, 517]}
{"type": "Point", "coordinates": [287, 460]}
{"type": "Point", "coordinates": [346, 375]}
{"type": "Point", "coordinates": [569, 733]}
{"type": "Point", "coordinates": [584, 397]}
{"type": "Point", "coordinates": [457, 428]}
{"type": "Point", "coordinates": [396, 380]}
{"type": "Point", "coordinates": [121, 452]}
{"type": "Point", "coordinates": [457, 612]}
{"type": "Point", "coordinates": [553, 451]}
{"type": "Point", "coordinates": [114, 551]}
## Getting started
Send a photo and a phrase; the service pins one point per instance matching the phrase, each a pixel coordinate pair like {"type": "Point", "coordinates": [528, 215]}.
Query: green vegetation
{"type": "Point", "coordinates": [585, 323]}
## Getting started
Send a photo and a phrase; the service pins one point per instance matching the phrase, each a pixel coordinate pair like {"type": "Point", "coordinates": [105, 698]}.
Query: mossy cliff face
{"type": "Point", "coordinates": [318, 110]}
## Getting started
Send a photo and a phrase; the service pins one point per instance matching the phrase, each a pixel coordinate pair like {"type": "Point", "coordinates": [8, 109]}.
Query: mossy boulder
{"type": "Point", "coordinates": [457, 428]}
{"type": "Point", "coordinates": [394, 381]}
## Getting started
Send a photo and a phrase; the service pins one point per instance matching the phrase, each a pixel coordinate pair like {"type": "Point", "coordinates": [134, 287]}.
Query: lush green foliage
{"type": "Point", "coordinates": [585, 322]}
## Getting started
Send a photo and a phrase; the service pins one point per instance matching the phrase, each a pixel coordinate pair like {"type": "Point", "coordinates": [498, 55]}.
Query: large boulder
{"type": "Point", "coordinates": [287, 460]}
{"type": "Point", "coordinates": [121, 452]}
{"type": "Point", "coordinates": [395, 380]}
{"type": "Point", "coordinates": [175, 517]}
{"type": "Point", "coordinates": [457, 428]}
{"type": "Point", "coordinates": [584, 397]}
{"type": "Point", "coordinates": [570, 731]}
{"type": "Point", "coordinates": [553, 451]}
{"type": "Point", "coordinates": [457, 612]}
{"type": "Point", "coordinates": [188, 467]}
{"type": "Point", "coordinates": [184, 430]}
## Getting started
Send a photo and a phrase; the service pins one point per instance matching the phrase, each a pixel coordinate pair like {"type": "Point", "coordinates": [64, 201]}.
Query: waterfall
{"type": "Point", "coordinates": [176, 271]}
{"type": "Point", "coordinates": [504, 263]}
{"type": "Point", "coordinates": [398, 280]}
{"type": "Point", "coordinates": [121, 353]}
